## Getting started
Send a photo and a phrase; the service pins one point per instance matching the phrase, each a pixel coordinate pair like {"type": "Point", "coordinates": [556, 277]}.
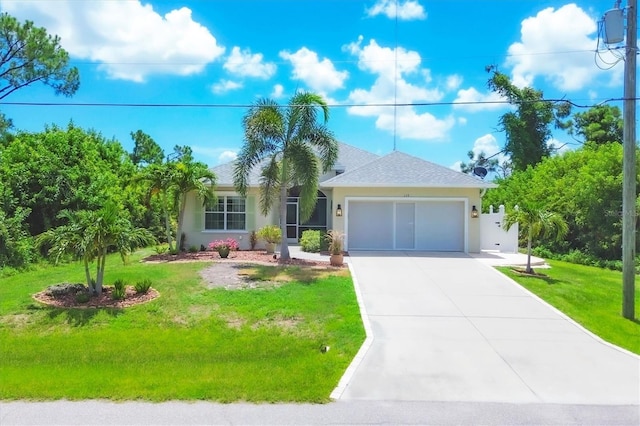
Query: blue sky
{"type": "Point", "coordinates": [227, 53]}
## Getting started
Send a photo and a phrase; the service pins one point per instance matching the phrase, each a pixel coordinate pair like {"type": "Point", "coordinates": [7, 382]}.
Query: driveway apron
{"type": "Point", "coordinates": [448, 328]}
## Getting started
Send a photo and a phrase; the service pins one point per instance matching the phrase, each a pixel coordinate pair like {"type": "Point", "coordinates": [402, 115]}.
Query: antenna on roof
{"type": "Point", "coordinates": [395, 84]}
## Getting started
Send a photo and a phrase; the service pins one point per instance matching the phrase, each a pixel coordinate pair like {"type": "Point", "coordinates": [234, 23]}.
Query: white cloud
{"type": "Point", "coordinates": [227, 156]}
{"type": "Point", "coordinates": [129, 39]}
{"type": "Point", "coordinates": [407, 10]}
{"type": "Point", "coordinates": [278, 91]}
{"type": "Point", "coordinates": [224, 86]}
{"type": "Point", "coordinates": [456, 166]}
{"type": "Point", "coordinates": [472, 100]}
{"type": "Point", "coordinates": [391, 86]}
{"type": "Point", "coordinates": [487, 144]}
{"type": "Point", "coordinates": [319, 75]}
{"type": "Point", "coordinates": [558, 146]}
{"type": "Point", "coordinates": [453, 82]}
{"type": "Point", "coordinates": [566, 31]}
{"type": "Point", "coordinates": [245, 64]}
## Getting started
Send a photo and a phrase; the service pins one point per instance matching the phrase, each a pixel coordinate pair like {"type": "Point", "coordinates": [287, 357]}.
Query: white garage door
{"type": "Point", "coordinates": [405, 225]}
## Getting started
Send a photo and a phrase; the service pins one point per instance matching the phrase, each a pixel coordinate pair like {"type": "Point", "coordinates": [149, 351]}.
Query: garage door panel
{"type": "Point", "coordinates": [440, 226]}
{"type": "Point", "coordinates": [370, 225]}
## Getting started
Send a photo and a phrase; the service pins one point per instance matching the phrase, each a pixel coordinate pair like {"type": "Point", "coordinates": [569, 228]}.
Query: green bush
{"type": "Point", "coordinates": [82, 297]}
{"type": "Point", "coordinates": [142, 287]}
{"type": "Point", "coordinates": [271, 234]}
{"type": "Point", "coordinates": [310, 241]}
{"type": "Point", "coordinates": [119, 289]}
{"type": "Point", "coordinates": [193, 249]}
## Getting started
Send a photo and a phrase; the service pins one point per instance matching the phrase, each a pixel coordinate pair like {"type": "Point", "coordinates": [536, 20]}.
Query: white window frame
{"type": "Point", "coordinates": [225, 214]}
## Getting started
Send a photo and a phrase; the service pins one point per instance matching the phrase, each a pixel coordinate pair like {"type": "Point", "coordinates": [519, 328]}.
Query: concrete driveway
{"type": "Point", "coordinates": [447, 327]}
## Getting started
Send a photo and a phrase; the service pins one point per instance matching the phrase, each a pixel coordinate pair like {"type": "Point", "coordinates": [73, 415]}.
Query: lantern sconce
{"type": "Point", "coordinates": [474, 212]}
{"type": "Point", "coordinates": [339, 210]}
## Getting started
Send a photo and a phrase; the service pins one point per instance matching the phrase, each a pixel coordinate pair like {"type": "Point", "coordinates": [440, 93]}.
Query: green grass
{"type": "Point", "coordinates": [192, 343]}
{"type": "Point", "coordinates": [591, 296]}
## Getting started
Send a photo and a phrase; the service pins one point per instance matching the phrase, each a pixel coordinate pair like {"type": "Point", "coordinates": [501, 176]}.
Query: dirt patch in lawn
{"type": "Point", "coordinates": [246, 256]}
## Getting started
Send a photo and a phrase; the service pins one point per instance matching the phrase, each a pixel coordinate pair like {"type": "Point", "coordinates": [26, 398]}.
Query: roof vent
{"type": "Point", "coordinates": [339, 168]}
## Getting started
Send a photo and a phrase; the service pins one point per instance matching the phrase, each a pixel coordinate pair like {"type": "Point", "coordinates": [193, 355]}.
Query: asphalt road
{"type": "Point", "coordinates": [337, 413]}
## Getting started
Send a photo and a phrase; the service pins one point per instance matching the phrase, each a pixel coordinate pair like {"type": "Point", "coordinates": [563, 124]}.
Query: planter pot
{"type": "Point", "coordinates": [271, 248]}
{"type": "Point", "coordinates": [223, 252]}
{"type": "Point", "coordinates": [336, 259]}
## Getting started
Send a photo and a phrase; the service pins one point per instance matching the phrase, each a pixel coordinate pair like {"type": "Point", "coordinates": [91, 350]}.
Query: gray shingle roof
{"type": "Point", "coordinates": [349, 158]}
{"type": "Point", "coordinates": [398, 169]}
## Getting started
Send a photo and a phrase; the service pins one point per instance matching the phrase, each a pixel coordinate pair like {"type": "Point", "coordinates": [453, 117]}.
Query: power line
{"type": "Point", "coordinates": [373, 105]}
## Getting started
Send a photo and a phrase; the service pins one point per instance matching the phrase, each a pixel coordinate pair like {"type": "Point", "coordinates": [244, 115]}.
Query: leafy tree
{"type": "Point", "coordinates": [145, 150]}
{"type": "Point", "coordinates": [29, 55]}
{"type": "Point", "coordinates": [535, 222]}
{"type": "Point", "coordinates": [527, 128]}
{"type": "Point", "coordinates": [16, 245]}
{"type": "Point", "coordinates": [291, 147]}
{"type": "Point", "coordinates": [158, 180]}
{"type": "Point", "coordinates": [599, 125]}
{"type": "Point", "coordinates": [62, 169]}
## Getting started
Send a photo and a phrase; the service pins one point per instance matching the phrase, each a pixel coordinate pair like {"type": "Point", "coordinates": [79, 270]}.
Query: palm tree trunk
{"type": "Point", "coordinates": [167, 226]}
{"type": "Point", "coordinates": [284, 246]}
{"type": "Point", "coordinates": [181, 208]}
{"type": "Point", "coordinates": [529, 270]}
{"type": "Point", "coordinates": [87, 273]}
{"type": "Point", "coordinates": [100, 276]}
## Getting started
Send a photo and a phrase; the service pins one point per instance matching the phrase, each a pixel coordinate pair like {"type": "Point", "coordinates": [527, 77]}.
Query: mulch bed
{"type": "Point", "coordinates": [250, 256]}
{"type": "Point", "coordinates": [103, 301]}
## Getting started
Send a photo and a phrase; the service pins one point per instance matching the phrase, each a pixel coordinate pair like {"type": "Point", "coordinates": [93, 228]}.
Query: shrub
{"type": "Point", "coordinates": [335, 239]}
{"type": "Point", "coordinates": [193, 249]}
{"type": "Point", "coordinates": [229, 243]}
{"type": "Point", "coordinates": [310, 241]}
{"type": "Point", "coordinates": [270, 233]}
{"type": "Point", "coordinates": [82, 297]}
{"type": "Point", "coordinates": [63, 289]}
{"type": "Point", "coordinates": [142, 287]}
{"type": "Point", "coordinates": [119, 289]}
{"type": "Point", "coordinates": [161, 249]}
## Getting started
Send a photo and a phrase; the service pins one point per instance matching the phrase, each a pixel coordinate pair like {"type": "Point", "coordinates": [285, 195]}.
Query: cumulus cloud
{"type": "Point", "coordinates": [246, 64]}
{"type": "Point", "coordinates": [391, 86]}
{"type": "Point", "coordinates": [558, 146]}
{"type": "Point", "coordinates": [453, 82]}
{"type": "Point", "coordinates": [472, 100]}
{"type": "Point", "coordinates": [278, 91]}
{"type": "Point", "coordinates": [486, 144]}
{"type": "Point", "coordinates": [406, 11]}
{"type": "Point", "coordinates": [227, 156]}
{"type": "Point", "coordinates": [130, 40]}
{"type": "Point", "coordinates": [224, 86]}
{"type": "Point", "coordinates": [217, 155]}
{"type": "Point", "coordinates": [319, 75]}
{"type": "Point", "coordinates": [572, 67]}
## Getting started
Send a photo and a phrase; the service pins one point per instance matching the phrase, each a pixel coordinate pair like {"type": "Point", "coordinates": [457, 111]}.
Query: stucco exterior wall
{"type": "Point", "coordinates": [194, 230]}
{"type": "Point", "coordinates": [472, 195]}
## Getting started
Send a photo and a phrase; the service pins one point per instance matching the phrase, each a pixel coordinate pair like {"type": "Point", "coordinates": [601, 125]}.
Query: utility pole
{"type": "Point", "coordinates": [629, 166]}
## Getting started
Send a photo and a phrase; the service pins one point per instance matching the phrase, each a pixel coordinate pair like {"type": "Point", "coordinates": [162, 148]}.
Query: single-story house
{"type": "Point", "coordinates": [390, 202]}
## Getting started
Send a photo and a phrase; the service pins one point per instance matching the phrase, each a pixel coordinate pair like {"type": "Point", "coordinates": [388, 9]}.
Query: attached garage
{"type": "Point", "coordinates": [430, 224]}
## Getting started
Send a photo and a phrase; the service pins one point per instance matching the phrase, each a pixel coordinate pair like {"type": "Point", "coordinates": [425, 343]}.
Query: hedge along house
{"type": "Point", "coordinates": [391, 202]}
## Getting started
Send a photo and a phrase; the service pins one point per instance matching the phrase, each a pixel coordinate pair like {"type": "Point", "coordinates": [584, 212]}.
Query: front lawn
{"type": "Point", "coordinates": [589, 295]}
{"type": "Point", "coordinates": [192, 343]}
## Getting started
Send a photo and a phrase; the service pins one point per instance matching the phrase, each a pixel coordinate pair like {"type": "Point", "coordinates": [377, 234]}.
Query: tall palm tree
{"type": "Point", "coordinates": [536, 223]}
{"type": "Point", "coordinates": [292, 146]}
{"type": "Point", "coordinates": [158, 178]}
{"type": "Point", "coordinates": [190, 176]}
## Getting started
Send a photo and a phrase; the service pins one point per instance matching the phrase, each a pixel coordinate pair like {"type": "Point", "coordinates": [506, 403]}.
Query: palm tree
{"type": "Point", "coordinates": [292, 147]}
{"type": "Point", "coordinates": [158, 178]}
{"type": "Point", "coordinates": [89, 235]}
{"type": "Point", "coordinates": [110, 229]}
{"type": "Point", "coordinates": [536, 223]}
{"type": "Point", "coordinates": [190, 176]}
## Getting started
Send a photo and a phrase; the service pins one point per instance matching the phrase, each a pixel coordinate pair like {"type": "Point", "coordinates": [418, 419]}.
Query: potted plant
{"type": "Point", "coordinates": [336, 243]}
{"type": "Point", "coordinates": [224, 247]}
{"type": "Point", "coordinates": [272, 235]}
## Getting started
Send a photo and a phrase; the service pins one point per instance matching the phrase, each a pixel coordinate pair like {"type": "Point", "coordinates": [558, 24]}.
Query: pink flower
{"type": "Point", "coordinates": [229, 243]}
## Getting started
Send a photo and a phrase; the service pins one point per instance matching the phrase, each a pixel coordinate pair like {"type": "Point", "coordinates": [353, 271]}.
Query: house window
{"type": "Point", "coordinates": [226, 214]}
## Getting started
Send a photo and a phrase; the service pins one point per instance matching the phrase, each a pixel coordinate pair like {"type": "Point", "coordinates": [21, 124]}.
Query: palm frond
{"type": "Point", "coordinates": [269, 185]}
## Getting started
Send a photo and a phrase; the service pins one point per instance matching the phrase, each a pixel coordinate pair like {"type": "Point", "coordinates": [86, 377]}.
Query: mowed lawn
{"type": "Point", "coordinates": [590, 296]}
{"type": "Point", "coordinates": [192, 343]}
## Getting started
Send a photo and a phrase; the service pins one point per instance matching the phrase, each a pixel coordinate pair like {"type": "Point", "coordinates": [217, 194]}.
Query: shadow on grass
{"type": "Point", "coordinates": [282, 273]}
{"type": "Point", "coordinates": [536, 275]}
{"type": "Point", "coordinates": [80, 317]}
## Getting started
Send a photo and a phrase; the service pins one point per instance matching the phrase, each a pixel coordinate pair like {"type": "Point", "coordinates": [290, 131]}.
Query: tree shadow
{"type": "Point", "coordinates": [79, 317]}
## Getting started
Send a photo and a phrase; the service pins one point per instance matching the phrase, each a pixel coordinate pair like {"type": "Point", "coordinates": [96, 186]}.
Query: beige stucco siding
{"type": "Point", "coordinates": [470, 195]}
{"type": "Point", "coordinates": [194, 230]}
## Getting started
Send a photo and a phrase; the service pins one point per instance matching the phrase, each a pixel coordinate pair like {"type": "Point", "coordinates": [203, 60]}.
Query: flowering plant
{"type": "Point", "coordinates": [229, 244]}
